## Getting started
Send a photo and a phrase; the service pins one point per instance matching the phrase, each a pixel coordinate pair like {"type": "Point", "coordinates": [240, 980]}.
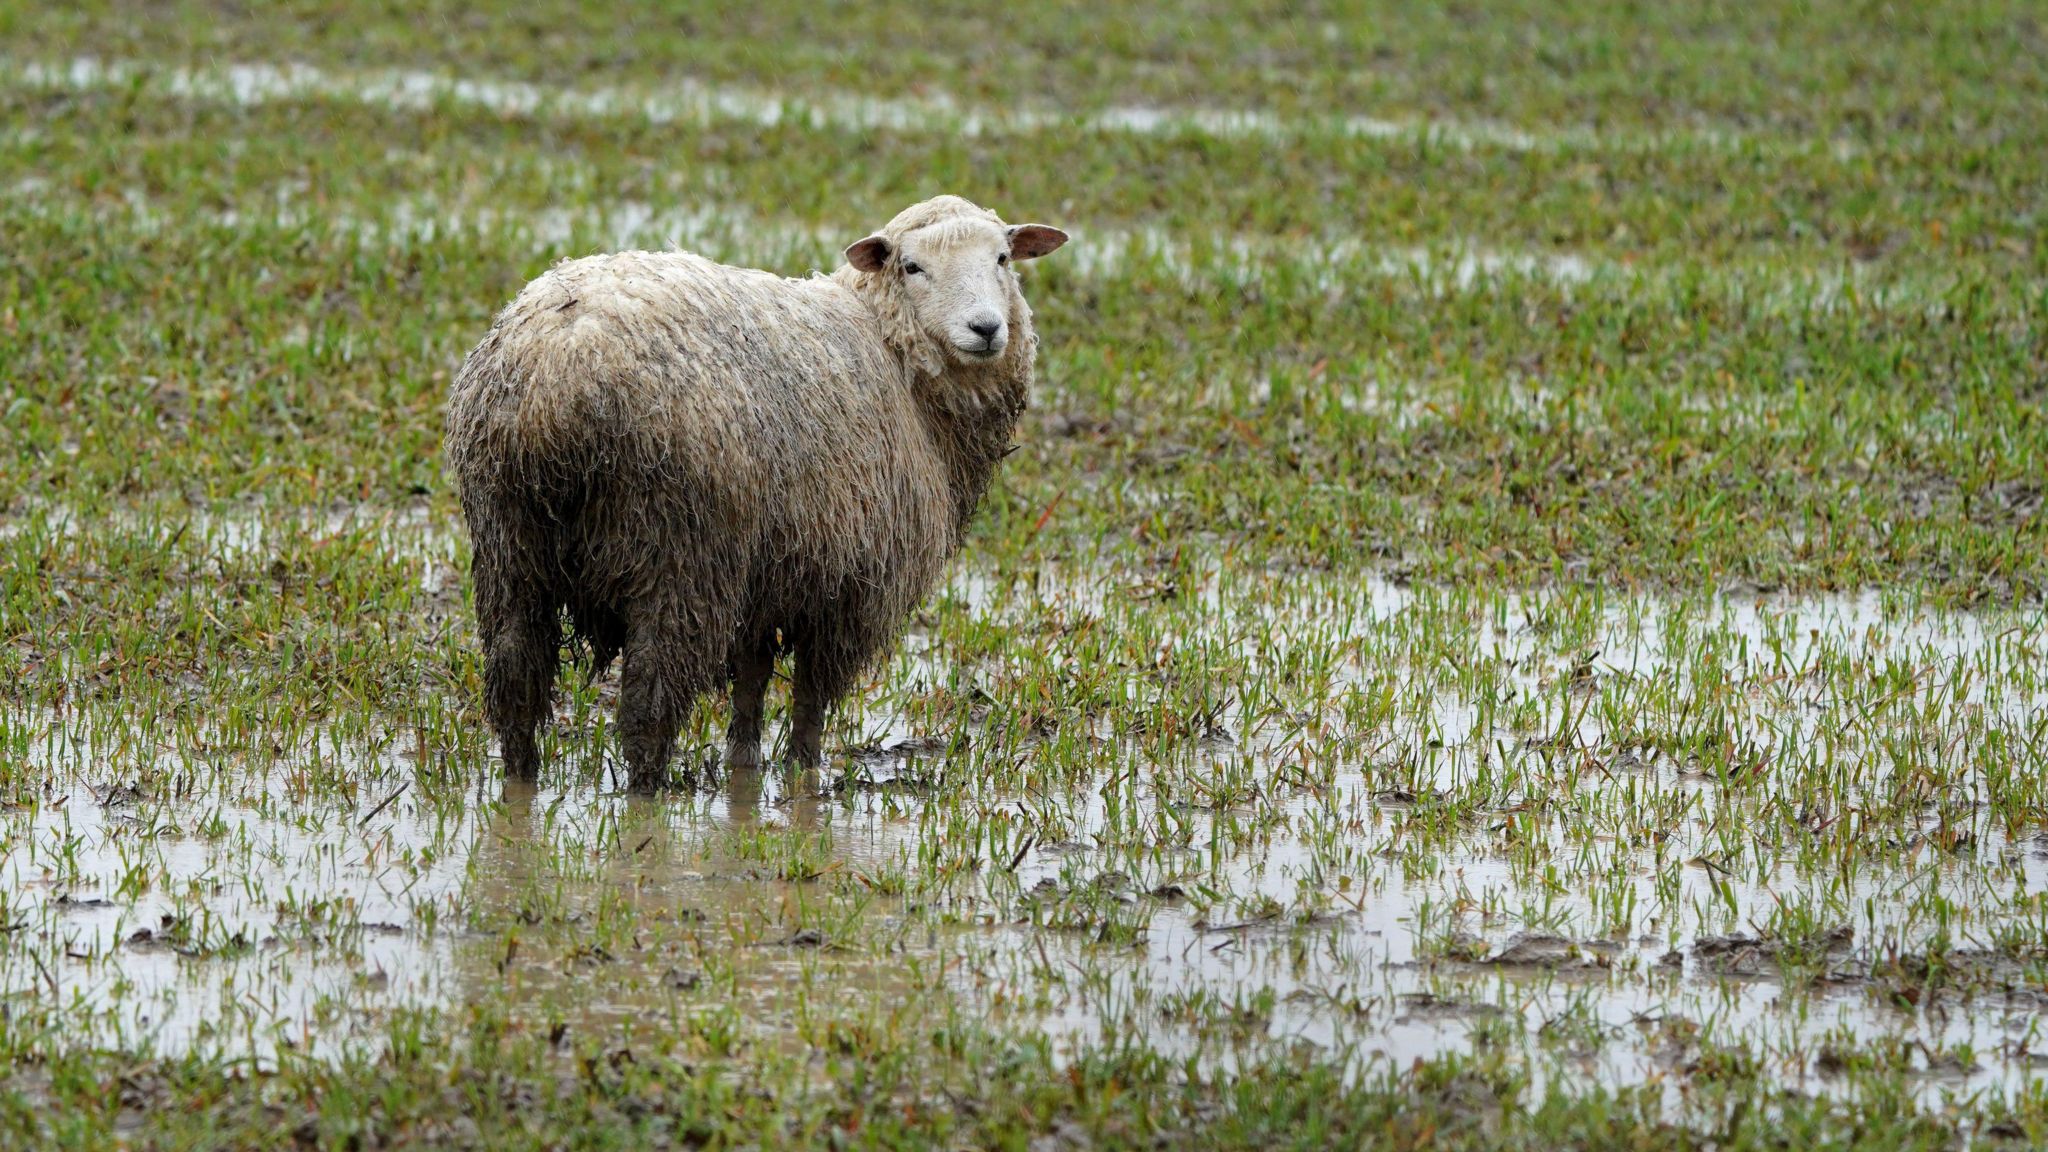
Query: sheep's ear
{"type": "Point", "coordinates": [1030, 241]}
{"type": "Point", "coordinates": [868, 255]}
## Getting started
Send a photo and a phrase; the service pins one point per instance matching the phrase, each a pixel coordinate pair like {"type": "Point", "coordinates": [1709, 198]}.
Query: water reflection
{"type": "Point", "coordinates": [709, 923]}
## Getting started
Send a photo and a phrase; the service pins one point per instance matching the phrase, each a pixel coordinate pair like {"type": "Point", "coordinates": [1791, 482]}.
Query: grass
{"type": "Point", "coordinates": [1826, 69]}
{"type": "Point", "coordinates": [1517, 620]}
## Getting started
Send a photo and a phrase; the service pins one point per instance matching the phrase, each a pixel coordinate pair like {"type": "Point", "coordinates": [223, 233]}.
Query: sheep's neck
{"type": "Point", "coordinates": [971, 412]}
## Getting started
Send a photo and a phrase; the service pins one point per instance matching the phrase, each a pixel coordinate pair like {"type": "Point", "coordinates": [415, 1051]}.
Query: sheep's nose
{"type": "Point", "coordinates": [986, 329]}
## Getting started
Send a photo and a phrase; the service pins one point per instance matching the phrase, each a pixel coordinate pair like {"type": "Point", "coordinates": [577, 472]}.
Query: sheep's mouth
{"type": "Point", "coordinates": [985, 352]}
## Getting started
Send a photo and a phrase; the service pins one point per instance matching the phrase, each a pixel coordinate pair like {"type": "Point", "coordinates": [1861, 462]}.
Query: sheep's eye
{"type": "Point", "coordinates": [1002, 257]}
{"type": "Point", "coordinates": [912, 268]}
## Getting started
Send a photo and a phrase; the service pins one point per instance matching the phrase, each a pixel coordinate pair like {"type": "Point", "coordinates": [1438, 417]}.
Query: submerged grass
{"type": "Point", "coordinates": [1519, 629]}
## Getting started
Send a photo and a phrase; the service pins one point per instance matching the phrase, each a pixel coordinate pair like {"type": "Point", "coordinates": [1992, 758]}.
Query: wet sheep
{"type": "Point", "coordinates": [704, 466]}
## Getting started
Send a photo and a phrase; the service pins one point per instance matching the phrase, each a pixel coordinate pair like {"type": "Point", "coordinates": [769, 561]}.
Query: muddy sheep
{"type": "Point", "coordinates": [706, 466]}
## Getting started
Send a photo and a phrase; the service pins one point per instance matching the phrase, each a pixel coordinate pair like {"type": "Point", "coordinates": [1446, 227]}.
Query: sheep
{"type": "Point", "coordinates": [708, 466]}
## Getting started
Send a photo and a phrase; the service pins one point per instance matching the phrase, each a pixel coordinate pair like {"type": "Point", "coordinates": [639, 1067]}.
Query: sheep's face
{"type": "Point", "coordinates": [956, 277]}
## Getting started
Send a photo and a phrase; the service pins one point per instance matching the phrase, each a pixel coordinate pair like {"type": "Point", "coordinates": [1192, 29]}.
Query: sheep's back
{"type": "Point", "coordinates": [672, 398]}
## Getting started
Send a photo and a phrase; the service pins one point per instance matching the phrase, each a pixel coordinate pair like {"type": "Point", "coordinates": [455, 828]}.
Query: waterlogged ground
{"type": "Point", "coordinates": [1516, 619]}
{"type": "Point", "coordinates": [1622, 839]}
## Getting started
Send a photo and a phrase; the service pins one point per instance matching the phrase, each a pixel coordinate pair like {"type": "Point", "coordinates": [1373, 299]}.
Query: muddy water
{"type": "Point", "coordinates": [162, 895]}
{"type": "Point", "coordinates": [638, 921]}
{"type": "Point", "coordinates": [1414, 820]}
{"type": "Point", "coordinates": [204, 903]}
{"type": "Point", "coordinates": [180, 890]}
{"type": "Point", "coordinates": [1331, 932]}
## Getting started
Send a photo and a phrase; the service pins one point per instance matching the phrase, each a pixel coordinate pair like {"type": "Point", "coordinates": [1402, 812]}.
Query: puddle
{"type": "Point", "coordinates": [736, 234]}
{"type": "Point", "coordinates": [641, 921]}
{"type": "Point", "coordinates": [1328, 263]}
{"type": "Point", "coordinates": [1625, 839]}
{"type": "Point", "coordinates": [171, 893]}
{"type": "Point", "coordinates": [175, 891]}
{"type": "Point", "coordinates": [1385, 891]}
{"type": "Point", "coordinates": [691, 101]}
{"type": "Point", "coordinates": [246, 530]}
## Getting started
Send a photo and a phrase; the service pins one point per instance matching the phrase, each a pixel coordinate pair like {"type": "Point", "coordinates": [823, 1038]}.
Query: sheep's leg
{"type": "Point", "coordinates": [522, 643]}
{"type": "Point", "coordinates": [743, 795]}
{"type": "Point", "coordinates": [664, 671]}
{"type": "Point", "coordinates": [751, 672]}
{"type": "Point", "coordinates": [821, 679]}
{"type": "Point", "coordinates": [649, 715]}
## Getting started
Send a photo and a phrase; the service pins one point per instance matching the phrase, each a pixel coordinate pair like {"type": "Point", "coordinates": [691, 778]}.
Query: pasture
{"type": "Point", "coordinates": [1516, 619]}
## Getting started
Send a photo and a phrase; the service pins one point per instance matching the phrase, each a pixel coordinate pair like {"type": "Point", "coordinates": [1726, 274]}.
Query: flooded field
{"type": "Point", "coordinates": [1514, 617]}
{"type": "Point", "coordinates": [1613, 838]}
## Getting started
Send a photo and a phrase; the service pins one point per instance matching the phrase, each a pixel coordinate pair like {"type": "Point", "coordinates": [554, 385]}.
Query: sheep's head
{"type": "Point", "coordinates": [947, 267]}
